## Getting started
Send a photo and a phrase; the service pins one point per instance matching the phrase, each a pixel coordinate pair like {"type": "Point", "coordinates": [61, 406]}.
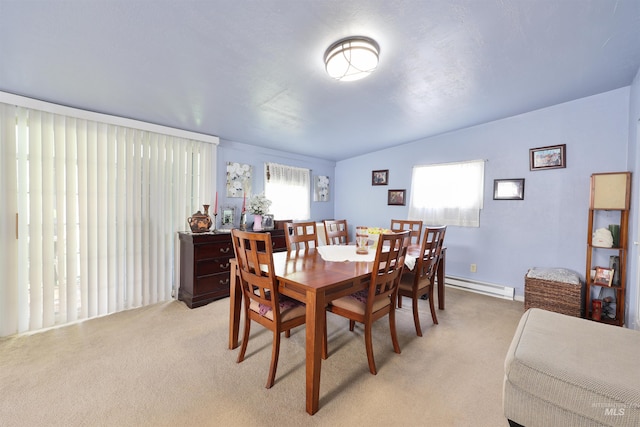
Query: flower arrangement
{"type": "Point", "coordinates": [259, 204]}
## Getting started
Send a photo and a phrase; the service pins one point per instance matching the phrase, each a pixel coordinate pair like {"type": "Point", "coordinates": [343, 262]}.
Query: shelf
{"type": "Point", "coordinates": [610, 192]}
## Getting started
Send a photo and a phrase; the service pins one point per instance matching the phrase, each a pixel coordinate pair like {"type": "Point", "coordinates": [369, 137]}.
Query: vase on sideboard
{"type": "Point", "coordinates": [257, 222]}
{"type": "Point", "coordinates": [200, 222]}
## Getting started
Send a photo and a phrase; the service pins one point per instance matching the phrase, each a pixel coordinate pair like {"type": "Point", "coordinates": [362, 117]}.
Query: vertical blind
{"type": "Point", "coordinates": [90, 216]}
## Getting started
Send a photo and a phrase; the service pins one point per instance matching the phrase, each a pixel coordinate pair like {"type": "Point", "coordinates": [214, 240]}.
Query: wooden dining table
{"type": "Point", "coordinates": [305, 276]}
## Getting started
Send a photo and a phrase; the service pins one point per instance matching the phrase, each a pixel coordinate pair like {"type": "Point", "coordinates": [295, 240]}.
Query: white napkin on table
{"type": "Point", "coordinates": [341, 253]}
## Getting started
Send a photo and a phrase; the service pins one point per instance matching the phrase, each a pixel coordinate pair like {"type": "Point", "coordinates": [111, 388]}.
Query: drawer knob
{"type": "Point", "coordinates": [224, 266]}
{"type": "Point", "coordinates": [225, 282]}
{"type": "Point", "coordinates": [225, 250]}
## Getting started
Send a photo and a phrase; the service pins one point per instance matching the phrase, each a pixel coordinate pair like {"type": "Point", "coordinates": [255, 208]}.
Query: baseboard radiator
{"type": "Point", "coordinates": [485, 288]}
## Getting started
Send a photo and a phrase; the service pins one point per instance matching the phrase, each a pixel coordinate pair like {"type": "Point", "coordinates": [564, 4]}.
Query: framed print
{"type": "Point", "coordinates": [227, 217]}
{"type": "Point", "coordinates": [380, 177]}
{"type": "Point", "coordinates": [604, 276]}
{"type": "Point", "coordinates": [397, 197]}
{"type": "Point", "coordinates": [239, 179]}
{"type": "Point", "coordinates": [508, 189]}
{"type": "Point", "coordinates": [267, 222]}
{"type": "Point", "coordinates": [551, 157]}
{"type": "Point", "coordinates": [321, 188]}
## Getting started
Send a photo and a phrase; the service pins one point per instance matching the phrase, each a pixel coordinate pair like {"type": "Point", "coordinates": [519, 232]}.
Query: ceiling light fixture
{"type": "Point", "coordinates": [352, 58]}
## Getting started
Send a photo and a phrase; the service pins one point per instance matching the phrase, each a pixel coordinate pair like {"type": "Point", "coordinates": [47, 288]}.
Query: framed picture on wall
{"type": "Point", "coordinates": [551, 157]}
{"type": "Point", "coordinates": [396, 197]}
{"type": "Point", "coordinates": [508, 189]}
{"type": "Point", "coordinates": [380, 177]}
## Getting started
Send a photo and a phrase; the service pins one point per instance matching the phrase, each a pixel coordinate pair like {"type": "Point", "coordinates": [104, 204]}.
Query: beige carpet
{"type": "Point", "coordinates": [167, 365]}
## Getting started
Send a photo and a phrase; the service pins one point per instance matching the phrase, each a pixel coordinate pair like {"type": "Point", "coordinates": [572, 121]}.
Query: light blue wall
{"type": "Point", "coordinates": [548, 228]}
{"type": "Point", "coordinates": [229, 151]}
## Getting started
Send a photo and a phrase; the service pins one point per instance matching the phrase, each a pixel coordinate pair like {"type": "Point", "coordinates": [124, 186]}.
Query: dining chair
{"type": "Point", "coordinates": [420, 281]}
{"type": "Point", "coordinates": [263, 303]}
{"type": "Point", "coordinates": [301, 235]}
{"type": "Point", "coordinates": [378, 299]}
{"type": "Point", "coordinates": [415, 227]}
{"type": "Point", "coordinates": [336, 231]}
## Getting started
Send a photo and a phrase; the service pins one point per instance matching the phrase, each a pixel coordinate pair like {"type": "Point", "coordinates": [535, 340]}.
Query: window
{"type": "Point", "coordinates": [448, 194]}
{"type": "Point", "coordinates": [288, 188]}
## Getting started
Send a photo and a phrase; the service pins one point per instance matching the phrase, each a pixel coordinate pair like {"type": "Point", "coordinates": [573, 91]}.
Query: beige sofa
{"type": "Point", "coordinates": [567, 371]}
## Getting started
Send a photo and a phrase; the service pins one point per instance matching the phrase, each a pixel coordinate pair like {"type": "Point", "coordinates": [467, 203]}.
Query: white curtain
{"type": "Point", "coordinates": [98, 207]}
{"type": "Point", "coordinates": [289, 190]}
{"type": "Point", "coordinates": [448, 194]}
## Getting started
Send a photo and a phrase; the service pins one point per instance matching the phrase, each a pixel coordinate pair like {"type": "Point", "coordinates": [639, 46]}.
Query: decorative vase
{"type": "Point", "coordinates": [200, 222]}
{"type": "Point", "coordinates": [257, 222]}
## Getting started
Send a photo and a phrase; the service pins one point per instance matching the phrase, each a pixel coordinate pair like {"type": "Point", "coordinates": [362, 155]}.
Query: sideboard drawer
{"type": "Point", "coordinates": [214, 250]}
{"type": "Point", "coordinates": [206, 267]}
{"type": "Point", "coordinates": [215, 283]}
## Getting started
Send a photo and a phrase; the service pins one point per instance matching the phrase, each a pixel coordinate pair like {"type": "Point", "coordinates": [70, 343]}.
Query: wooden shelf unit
{"type": "Point", "coordinates": [610, 196]}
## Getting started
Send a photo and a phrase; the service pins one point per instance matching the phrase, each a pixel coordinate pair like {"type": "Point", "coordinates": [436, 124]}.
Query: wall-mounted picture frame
{"type": "Point", "coordinates": [321, 188]}
{"type": "Point", "coordinates": [267, 222]}
{"type": "Point", "coordinates": [508, 189]}
{"type": "Point", "coordinates": [551, 157]}
{"type": "Point", "coordinates": [397, 197]}
{"type": "Point", "coordinates": [604, 276]}
{"type": "Point", "coordinates": [239, 179]}
{"type": "Point", "coordinates": [380, 177]}
{"type": "Point", "coordinates": [227, 217]}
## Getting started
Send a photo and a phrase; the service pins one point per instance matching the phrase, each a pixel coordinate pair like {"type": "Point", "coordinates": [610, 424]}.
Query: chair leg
{"type": "Point", "coordinates": [392, 327]}
{"type": "Point", "coordinates": [275, 351]}
{"type": "Point", "coordinates": [369, 345]}
{"type": "Point", "coordinates": [399, 301]}
{"type": "Point", "coordinates": [287, 333]}
{"type": "Point", "coordinates": [416, 317]}
{"type": "Point", "coordinates": [352, 324]}
{"type": "Point", "coordinates": [432, 307]}
{"type": "Point", "coordinates": [245, 338]}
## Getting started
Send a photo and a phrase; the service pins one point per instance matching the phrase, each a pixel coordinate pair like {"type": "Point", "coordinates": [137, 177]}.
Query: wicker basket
{"type": "Point", "coordinates": [557, 290]}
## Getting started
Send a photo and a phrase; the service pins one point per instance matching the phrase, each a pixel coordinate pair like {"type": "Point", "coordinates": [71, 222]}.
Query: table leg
{"type": "Point", "coordinates": [314, 331]}
{"type": "Point", "coordinates": [441, 274]}
{"type": "Point", "coordinates": [235, 301]}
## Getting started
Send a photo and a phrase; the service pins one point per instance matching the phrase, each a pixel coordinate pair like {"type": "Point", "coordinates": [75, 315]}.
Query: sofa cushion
{"type": "Point", "coordinates": [560, 369]}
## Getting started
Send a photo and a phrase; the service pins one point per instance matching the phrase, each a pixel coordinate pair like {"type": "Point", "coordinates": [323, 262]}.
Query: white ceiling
{"type": "Point", "coordinates": [251, 71]}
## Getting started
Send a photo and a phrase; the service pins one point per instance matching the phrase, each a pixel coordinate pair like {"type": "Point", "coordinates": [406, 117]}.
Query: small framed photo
{"type": "Point", "coordinates": [604, 276]}
{"type": "Point", "coordinates": [508, 189]}
{"type": "Point", "coordinates": [551, 157]}
{"type": "Point", "coordinates": [227, 217]}
{"type": "Point", "coordinates": [380, 177]}
{"type": "Point", "coordinates": [267, 222]}
{"type": "Point", "coordinates": [397, 197]}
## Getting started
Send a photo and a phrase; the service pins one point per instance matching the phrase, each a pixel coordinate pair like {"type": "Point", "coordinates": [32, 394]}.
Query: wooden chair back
{"type": "Point", "coordinates": [301, 235]}
{"type": "Point", "coordinates": [336, 232]}
{"type": "Point", "coordinates": [431, 250]}
{"type": "Point", "coordinates": [262, 301]}
{"type": "Point", "coordinates": [387, 267]}
{"type": "Point", "coordinates": [379, 298]}
{"type": "Point", "coordinates": [420, 282]}
{"type": "Point", "coordinates": [415, 227]}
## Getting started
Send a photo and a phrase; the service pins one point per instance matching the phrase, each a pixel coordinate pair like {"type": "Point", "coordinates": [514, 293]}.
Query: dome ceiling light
{"type": "Point", "coordinates": [352, 58]}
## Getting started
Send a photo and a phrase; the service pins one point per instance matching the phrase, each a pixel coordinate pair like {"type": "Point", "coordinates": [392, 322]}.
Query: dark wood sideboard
{"type": "Point", "coordinates": [204, 265]}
